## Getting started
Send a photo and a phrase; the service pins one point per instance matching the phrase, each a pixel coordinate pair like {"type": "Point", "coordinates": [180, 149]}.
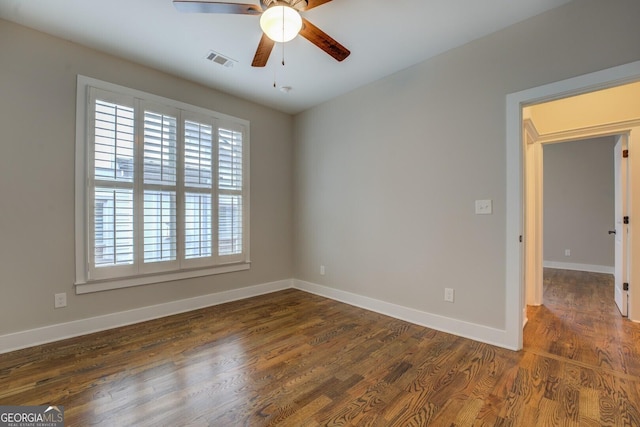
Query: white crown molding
{"type": "Point", "coordinates": [607, 129]}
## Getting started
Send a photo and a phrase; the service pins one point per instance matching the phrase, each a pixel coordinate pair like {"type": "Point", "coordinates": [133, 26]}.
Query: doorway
{"type": "Point", "coordinates": [519, 261]}
{"type": "Point", "coordinates": [579, 212]}
{"type": "Point", "coordinates": [578, 205]}
{"type": "Point", "coordinates": [597, 114]}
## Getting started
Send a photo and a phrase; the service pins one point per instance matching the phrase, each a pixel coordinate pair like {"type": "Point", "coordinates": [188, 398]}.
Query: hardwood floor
{"type": "Point", "coordinates": [296, 359]}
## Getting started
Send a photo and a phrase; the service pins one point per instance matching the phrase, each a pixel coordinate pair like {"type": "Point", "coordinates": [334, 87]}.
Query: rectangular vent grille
{"type": "Point", "coordinates": [220, 59]}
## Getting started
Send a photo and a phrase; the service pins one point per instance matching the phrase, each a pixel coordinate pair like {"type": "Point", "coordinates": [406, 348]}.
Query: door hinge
{"type": "Point", "coordinates": [625, 286]}
{"type": "Point", "coordinates": [625, 154]}
{"type": "Point", "coordinates": [625, 220]}
{"type": "Point", "coordinates": [521, 238]}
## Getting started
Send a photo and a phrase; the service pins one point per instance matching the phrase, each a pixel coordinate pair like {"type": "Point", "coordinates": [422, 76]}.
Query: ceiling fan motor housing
{"type": "Point", "coordinates": [299, 5]}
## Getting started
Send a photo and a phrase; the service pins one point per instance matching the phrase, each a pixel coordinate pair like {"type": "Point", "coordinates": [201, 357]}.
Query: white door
{"type": "Point", "coordinates": [621, 265]}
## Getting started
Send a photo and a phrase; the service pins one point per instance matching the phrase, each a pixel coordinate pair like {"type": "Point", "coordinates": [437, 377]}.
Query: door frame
{"type": "Point", "coordinates": [621, 179]}
{"type": "Point", "coordinates": [515, 206]}
{"type": "Point", "coordinates": [534, 190]}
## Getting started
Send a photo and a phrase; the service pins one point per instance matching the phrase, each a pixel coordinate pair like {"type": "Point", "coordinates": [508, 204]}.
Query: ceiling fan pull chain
{"type": "Point", "coordinates": [283, 36]}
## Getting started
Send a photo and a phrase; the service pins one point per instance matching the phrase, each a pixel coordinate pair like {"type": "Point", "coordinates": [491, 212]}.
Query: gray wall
{"type": "Point", "coordinates": [383, 181]}
{"type": "Point", "coordinates": [37, 123]}
{"type": "Point", "coordinates": [579, 202]}
{"type": "Point", "coordinates": [386, 176]}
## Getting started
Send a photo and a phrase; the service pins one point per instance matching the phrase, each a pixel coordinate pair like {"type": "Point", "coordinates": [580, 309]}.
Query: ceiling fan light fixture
{"type": "Point", "coordinates": [281, 23]}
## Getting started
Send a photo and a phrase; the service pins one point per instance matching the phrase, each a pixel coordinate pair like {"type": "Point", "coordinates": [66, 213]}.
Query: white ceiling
{"type": "Point", "coordinates": [383, 36]}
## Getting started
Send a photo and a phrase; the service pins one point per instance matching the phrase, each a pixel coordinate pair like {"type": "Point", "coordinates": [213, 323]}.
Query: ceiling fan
{"type": "Point", "coordinates": [275, 14]}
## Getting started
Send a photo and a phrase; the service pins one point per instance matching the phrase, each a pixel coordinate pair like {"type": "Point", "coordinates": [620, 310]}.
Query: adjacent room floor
{"type": "Point", "coordinates": [296, 359]}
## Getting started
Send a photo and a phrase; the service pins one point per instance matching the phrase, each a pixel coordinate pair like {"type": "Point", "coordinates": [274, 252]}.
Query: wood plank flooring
{"type": "Point", "coordinates": [296, 359]}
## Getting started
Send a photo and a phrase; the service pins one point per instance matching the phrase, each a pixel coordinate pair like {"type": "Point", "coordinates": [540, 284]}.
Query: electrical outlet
{"type": "Point", "coordinates": [322, 270]}
{"type": "Point", "coordinates": [567, 252]}
{"type": "Point", "coordinates": [484, 207]}
{"type": "Point", "coordinates": [448, 294]}
{"type": "Point", "coordinates": [60, 300]}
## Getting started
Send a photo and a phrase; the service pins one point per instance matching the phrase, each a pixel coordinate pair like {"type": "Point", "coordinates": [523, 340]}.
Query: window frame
{"type": "Point", "coordinates": [86, 279]}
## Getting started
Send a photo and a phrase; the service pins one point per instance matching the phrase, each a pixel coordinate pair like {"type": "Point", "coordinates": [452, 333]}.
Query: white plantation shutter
{"type": "Point", "coordinates": [160, 148]}
{"type": "Point", "coordinates": [159, 226]}
{"type": "Point", "coordinates": [230, 225]}
{"type": "Point", "coordinates": [198, 158]}
{"type": "Point", "coordinates": [113, 142]}
{"type": "Point", "coordinates": [198, 226]}
{"type": "Point", "coordinates": [113, 227]}
{"type": "Point", "coordinates": [230, 160]}
{"type": "Point", "coordinates": [198, 182]}
{"type": "Point", "coordinates": [166, 189]}
{"type": "Point", "coordinates": [230, 190]}
{"type": "Point", "coordinates": [111, 213]}
{"type": "Point", "coordinates": [160, 157]}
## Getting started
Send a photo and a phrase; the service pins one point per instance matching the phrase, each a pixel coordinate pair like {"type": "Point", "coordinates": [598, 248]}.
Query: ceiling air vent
{"type": "Point", "coordinates": [220, 59]}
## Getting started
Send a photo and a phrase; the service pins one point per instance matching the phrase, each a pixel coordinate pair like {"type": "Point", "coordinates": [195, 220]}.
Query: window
{"type": "Point", "coordinates": [161, 189]}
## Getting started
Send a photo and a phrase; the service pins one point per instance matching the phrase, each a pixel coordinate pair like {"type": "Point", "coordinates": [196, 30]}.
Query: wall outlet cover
{"type": "Point", "coordinates": [60, 300]}
{"type": "Point", "coordinates": [448, 294]}
{"type": "Point", "coordinates": [484, 207]}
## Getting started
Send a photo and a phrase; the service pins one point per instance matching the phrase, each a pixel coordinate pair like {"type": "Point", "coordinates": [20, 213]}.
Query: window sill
{"type": "Point", "coordinates": [106, 285]}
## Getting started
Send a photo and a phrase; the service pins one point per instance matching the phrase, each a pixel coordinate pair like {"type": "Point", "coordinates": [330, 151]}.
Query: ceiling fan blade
{"type": "Point", "coordinates": [263, 52]}
{"type": "Point", "coordinates": [315, 3]}
{"type": "Point", "coordinates": [216, 7]}
{"type": "Point", "coordinates": [321, 39]}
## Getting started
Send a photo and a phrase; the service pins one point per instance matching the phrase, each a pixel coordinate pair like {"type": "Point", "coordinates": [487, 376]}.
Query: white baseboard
{"type": "Point", "coordinates": [579, 267]}
{"type": "Point", "coordinates": [497, 337]}
{"type": "Point", "coordinates": [60, 331]}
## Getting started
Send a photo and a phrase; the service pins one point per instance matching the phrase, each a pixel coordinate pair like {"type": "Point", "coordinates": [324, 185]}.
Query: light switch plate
{"type": "Point", "coordinates": [484, 207]}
